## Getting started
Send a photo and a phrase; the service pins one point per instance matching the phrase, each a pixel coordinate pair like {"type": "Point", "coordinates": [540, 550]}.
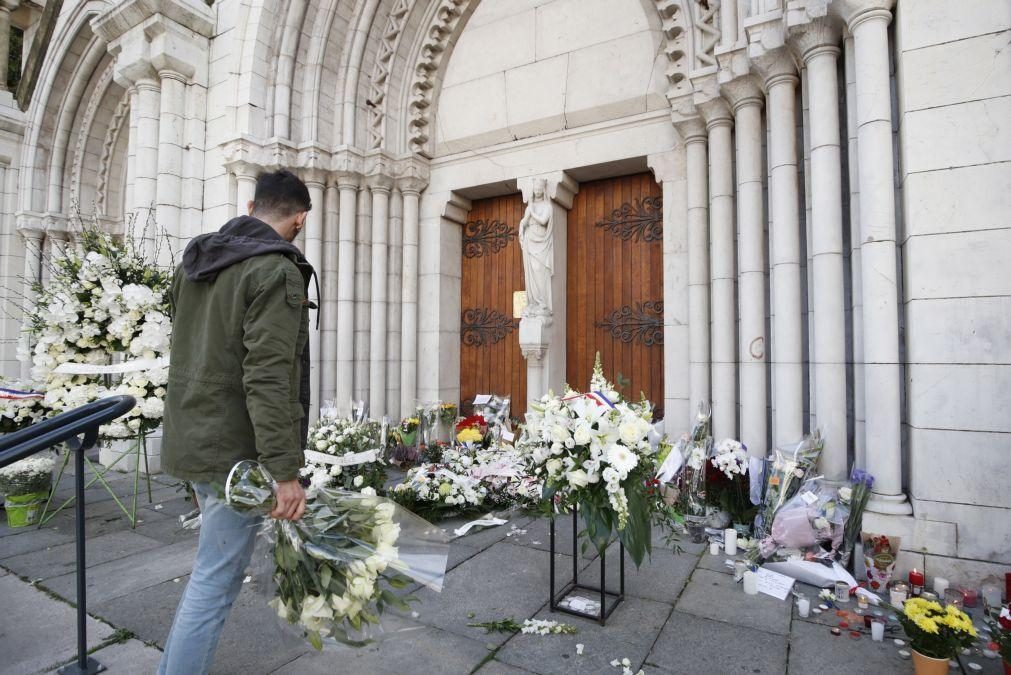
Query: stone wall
{"type": "Point", "coordinates": [953, 63]}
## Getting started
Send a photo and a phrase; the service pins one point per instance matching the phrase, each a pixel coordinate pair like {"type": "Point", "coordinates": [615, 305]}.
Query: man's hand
{"type": "Point", "coordinates": [290, 498]}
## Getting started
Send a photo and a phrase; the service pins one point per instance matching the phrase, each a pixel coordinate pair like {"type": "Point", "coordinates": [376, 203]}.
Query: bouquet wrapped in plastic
{"type": "Point", "coordinates": [787, 472]}
{"type": "Point", "coordinates": [697, 451]}
{"type": "Point", "coordinates": [346, 562]}
{"type": "Point", "coordinates": [811, 525]}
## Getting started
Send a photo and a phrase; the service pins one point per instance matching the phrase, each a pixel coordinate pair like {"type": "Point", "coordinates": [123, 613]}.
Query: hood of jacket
{"type": "Point", "coordinates": [239, 239]}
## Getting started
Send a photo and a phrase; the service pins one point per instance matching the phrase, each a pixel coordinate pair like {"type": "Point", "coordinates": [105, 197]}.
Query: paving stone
{"type": "Point", "coordinates": [253, 622]}
{"type": "Point", "coordinates": [28, 539]}
{"type": "Point", "coordinates": [496, 667]}
{"type": "Point", "coordinates": [65, 522]}
{"type": "Point", "coordinates": [501, 581]}
{"type": "Point", "coordinates": [814, 650]}
{"type": "Point", "coordinates": [148, 613]}
{"type": "Point", "coordinates": [428, 651]}
{"type": "Point", "coordinates": [716, 596]}
{"type": "Point", "coordinates": [38, 631]}
{"type": "Point", "coordinates": [57, 560]}
{"type": "Point", "coordinates": [167, 529]}
{"type": "Point", "coordinates": [459, 554]}
{"type": "Point", "coordinates": [538, 535]}
{"type": "Point", "coordinates": [175, 506]}
{"type": "Point", "coordinates": [715, 563]}
{"type": "Point", "coordinates": [132, 573]}
{"type": "Point", "coordinates": [132, 656]}
{"type": "Point", "coordinates": [690, 644]}
{"type": "Point", "coordinates": [485, 537]}
{"type": "Point", "coordinates": [660, 578]}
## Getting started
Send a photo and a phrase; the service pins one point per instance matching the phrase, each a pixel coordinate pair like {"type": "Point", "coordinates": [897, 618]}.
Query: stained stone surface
{"type": "Point", "coordinates": [682, 612]}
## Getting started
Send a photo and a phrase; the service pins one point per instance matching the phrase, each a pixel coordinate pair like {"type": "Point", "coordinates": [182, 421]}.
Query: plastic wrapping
{"type": "Point", "coordinates": [787, 472]}
{"type": "Point", "coordinates": [341, 569]}
{"type": "Point", "coordinates": [812, 522]}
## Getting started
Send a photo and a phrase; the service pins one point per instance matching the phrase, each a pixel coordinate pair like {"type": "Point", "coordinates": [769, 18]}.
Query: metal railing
{"type": "Point", "coordinates": [78, 428]}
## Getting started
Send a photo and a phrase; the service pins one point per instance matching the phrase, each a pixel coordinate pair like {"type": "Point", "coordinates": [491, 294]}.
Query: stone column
{"type": "Point", "coordinates": [542, 338]}
{"type": "Point", "coordinates": [245, 179]}
{"type": "Point", "coordinates": [394, 289]}
{"type": "Point", "coordinates": [328, 284]}
{"type": "Point", "coordinates": [33, 241]}
{"type": "Point", "coordinates": [781, 89]}
{"type": "Point", "coordinates": [6, 7]}
{"type": "Point", "coordinates": [313, 235]}
{"type": "Point", "coordinates": [746, 98]}
{"type": "Point", "coordinates": [145, 179]}
{"type": "Point", "coordinates": [728, 22]}
{"type": "Point", "coordinates": [411, 188]}
{"type": "Point", "coordinates": [857, 309]}
{"type": "Point", "coordinates": [363, 292]}
{"type": "Point", "coordinates": [719, 124]}
{"type": "Point", "coordinates": [693, 132]}
{"type": "Point", "coordinates": [817, 47]}
{"type": "Point", "coordinates": [379, 186]}
{"type": "Point", "coordinates": [170, 160]}
{"type": "Point", "coordinates": [347, 184]}
{"type": "Point", "coordinates": [868, 22]}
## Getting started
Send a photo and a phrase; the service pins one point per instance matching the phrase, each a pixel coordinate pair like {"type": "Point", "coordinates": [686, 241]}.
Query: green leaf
{"type": "Point", "coordinates": [315, 641]}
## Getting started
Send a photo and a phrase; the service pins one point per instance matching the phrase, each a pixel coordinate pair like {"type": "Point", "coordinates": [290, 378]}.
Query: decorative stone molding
{"type": "Point", "coordinates": [811, 38]}
{"type": "Point", "coordinates": [97, 94]}
{"type": "Point", "coordinates": [855, 11]}
{"type": "Point", "coordinates": [112, 133]}
{"type": "Point", "coordinates": [675, 28]}
{"type": "Point", "coordinates": [716, 112]}
{"type": "Point", "coordinates": [380, 80]}
{"type": "Point", "coordinates": [742, 91]}
{"type": "Point", "coordinates": [424, 82]}
{"type": "Point", "coordinates": [707, 33]}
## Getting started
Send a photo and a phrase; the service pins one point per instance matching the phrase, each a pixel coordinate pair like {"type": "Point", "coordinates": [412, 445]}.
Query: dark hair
{"type": "Point", "coordinates": [280, 193]}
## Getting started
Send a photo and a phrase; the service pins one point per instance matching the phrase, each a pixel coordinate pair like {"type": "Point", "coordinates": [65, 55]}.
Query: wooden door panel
{"type": "Point", "coordinates": [615, 284]}
{"type": "Point", "coordinates": [492, 270]}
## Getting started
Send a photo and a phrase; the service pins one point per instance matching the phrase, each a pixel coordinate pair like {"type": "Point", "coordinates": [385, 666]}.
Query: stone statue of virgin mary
{"type": "Point", "coordinates": [538, 249]}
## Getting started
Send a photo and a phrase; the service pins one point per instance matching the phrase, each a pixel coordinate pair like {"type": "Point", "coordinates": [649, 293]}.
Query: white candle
{"type": "Point", "coordinates": [750, 583]}
{"type": "Point", "coordinates": [714, 548]}
{"type": "Point", "coordinates": [877, 631]}
{"type": "Point", "coordinates": [804, 607]}
{"type": "Point", "coordinates": [730, 541]}
{"type": "Point", "coordinates": [940, 586]}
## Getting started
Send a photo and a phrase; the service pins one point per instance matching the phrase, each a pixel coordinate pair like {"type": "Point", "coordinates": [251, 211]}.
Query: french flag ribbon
{"type": "Point", "coordinates": [595, 396]}
{"type": "Point", "coordinates": [15, 395]}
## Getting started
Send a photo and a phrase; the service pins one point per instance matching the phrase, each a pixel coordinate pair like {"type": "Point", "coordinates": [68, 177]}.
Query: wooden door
{"type": "Point", "coordinates": [615, 285]}
{"type": "Point", "coordinates": [490, 358]}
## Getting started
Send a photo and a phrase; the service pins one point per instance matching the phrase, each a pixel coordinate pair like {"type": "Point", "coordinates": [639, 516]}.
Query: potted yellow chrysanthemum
{"type": "Point", "coordinates": [936, 634]}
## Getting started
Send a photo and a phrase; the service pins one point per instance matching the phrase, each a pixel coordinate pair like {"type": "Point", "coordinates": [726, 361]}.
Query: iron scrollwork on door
{"type": "Point", "coordinates": [639, 221]}
{"type": "Point", "coordinates": [486, 237]}
{"type": "Point", "coordinates": [641, 322]}
{"type": "Point", "coordinates": [482, 326]}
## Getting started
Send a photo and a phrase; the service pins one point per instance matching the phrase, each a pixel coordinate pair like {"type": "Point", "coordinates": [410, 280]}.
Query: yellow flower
{"type": "Point", "coordinates": [469, 435]}
{"type": "Point", "coordinates": [927, 625]}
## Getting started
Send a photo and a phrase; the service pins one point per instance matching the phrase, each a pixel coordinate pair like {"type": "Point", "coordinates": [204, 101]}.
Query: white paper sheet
{"type": "Point", "coordinates": [482, 399]}
{"type": "Point", "coordinates": [773, 583]}
{"type": "Point", "coordinates": [812, 573]}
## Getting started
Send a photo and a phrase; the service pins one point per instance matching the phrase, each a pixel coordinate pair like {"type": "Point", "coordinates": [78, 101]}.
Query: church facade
{"type": "Point", "coordinates": [792, 209]}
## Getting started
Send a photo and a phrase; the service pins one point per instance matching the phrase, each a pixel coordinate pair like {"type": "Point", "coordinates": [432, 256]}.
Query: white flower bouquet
{"type": "Point", "coordinates": [103, 302]}
{"type": "Point", "coordinates": [347, 454]}
{"type": "Point", "coordinates": [592, 451]}
{"type": "Point", "coordinates": [19, 408]}
{"type": "Point", "coordinates": [342, 567]}
{"type": "Point", "coordinates": [27, 476]}
{"type": "Point", "coordinates": [440, 490]}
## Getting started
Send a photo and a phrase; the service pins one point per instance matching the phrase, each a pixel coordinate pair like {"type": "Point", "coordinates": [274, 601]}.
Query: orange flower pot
{"type": "Point", "coordinates": [926, 665]}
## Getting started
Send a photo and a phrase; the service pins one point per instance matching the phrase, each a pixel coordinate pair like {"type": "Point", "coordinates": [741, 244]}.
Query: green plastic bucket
{"type": "Point", "coordinates": [25, 510]}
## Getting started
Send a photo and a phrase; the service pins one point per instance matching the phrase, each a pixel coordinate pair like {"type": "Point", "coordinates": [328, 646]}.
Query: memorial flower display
{"type": "Point", "coordinates": [728, 487]}
{"type": "Point", "coordinates": [343, 453]}
{"type": "Point", "coordinates": [19, 407]}
{"type": "Point", "coordinates": [337, 570]}
{"type": "Point", "coordinates": [473, 429]}
{"type": "Point", "coordinates": [592, 451]}
{"type": "Point", "coordinates": [934, 631]}
{"type": "Point", "coordinates": [105, 302]}
{"type": "Point", "coordinates": [787, 471]}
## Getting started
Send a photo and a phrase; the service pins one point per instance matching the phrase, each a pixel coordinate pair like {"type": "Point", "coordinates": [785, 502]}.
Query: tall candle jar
{"type": "Point", "coordinates": [842, 591]}
{"type": "Point", "coordinates": [803, 606]}
{"type": "Point", "coordinates": [898, 593]}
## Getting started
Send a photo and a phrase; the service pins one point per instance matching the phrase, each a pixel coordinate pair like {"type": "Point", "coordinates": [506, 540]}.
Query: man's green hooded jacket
{"type": "Point", "coordinates": [238, 372]}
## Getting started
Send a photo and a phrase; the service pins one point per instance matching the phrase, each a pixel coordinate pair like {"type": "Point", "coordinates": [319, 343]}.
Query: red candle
{"type": "Point", "coordinates": [916, 581]}
{"type": "Point", "coordinates": [970, 597]}
{"type": "Point", "coordinates": [1007, 586]}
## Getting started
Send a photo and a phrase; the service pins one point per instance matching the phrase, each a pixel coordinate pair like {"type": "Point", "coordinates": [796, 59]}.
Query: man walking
{"type": "Point", "coordinates": [238, 389]}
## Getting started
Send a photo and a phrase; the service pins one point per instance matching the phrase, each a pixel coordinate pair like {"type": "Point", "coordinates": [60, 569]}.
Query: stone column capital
{"type": "Point", "coordinates": [716, 112]}
{"type": "Point", "coordinates": [348, 180]}
{"type": "Point", "coordinates": [379, 182]}
{"type": "Point", "coordinates": [855, 12]}
{"type": "Point", "coordinates": [314, 177]}
{"type": "Point", "coordinates": [775, 67]}
{"type": "Point", "coordinates": [558, 185]}
{"type": "Point", "coordinates": [817, 37]}
{"type": "Point", "coordinates": [9, 5]}
{"type": "Point", "coordinates": [743, 91]}
{"type": "Point", "coordinates": [692, 130]}
{"type": "Point", "coordinates": [412, 185]}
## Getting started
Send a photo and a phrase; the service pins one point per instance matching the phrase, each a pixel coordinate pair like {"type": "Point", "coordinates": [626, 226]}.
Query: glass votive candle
{"type": "Point", "coordinates": [898, 592]}
{"type": "Point", "coordinates": [953, 597]}
{"type": "Point", "coordinates": [803, 606]}
{"type": "Point", "coordinates": [878, 631]}
{"type": "Point", "coordinates": [969, 596]}
{"type": "Point", "coordinates": [862, 601]}
{"type": "Point", "coordinates": [842, 591]}
{"type": "Point", "coordinates": [740, 567]}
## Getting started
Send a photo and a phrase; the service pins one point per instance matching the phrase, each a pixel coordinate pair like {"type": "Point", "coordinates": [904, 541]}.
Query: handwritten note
{"type": "Point", "coordinates": [773, 583]}
{"type": "Point", "coordinates": [482, 399]}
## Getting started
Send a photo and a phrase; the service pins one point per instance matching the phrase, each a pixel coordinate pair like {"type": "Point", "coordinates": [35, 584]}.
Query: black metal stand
{"type": "Point", "coordinates": [65, 428]}
{"type": "Point", "coordinates": [605, 608]}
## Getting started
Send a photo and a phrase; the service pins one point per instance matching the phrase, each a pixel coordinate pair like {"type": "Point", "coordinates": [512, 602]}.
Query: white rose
{"type": "Point", "coordinates": [629, 433]}
{"type": "Point", "coordinates": [554, 467]}
{"type": "Point", "coordinates": [577, 478]}
{"type": "Point", "coordinates": [322, 445]}
{"type": "Point", "coordinates": [582, 436]}
{"type": "Point", "coordinates": [359, 480]}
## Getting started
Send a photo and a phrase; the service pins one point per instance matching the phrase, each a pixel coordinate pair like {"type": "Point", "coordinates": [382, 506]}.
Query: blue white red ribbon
{"type": "Point", "coordinates": [16, 395]}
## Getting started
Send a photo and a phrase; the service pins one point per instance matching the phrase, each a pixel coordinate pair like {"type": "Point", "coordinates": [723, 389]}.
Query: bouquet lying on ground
{"type": "Point", "coordinates": [339, 569]}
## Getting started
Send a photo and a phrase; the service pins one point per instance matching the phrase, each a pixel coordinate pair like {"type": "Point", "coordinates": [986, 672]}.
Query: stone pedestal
{"type": "Point", "coordinates": [545, 355]}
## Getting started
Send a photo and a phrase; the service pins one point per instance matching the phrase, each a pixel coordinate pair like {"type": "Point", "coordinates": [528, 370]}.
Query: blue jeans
{"type": "Point", "coordinates": [223, 552]}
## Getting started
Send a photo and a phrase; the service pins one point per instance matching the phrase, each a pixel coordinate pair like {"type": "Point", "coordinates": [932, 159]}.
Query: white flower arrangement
{"type": "Point", "coordinates": [731, 457]}
{"type": "Point", "coordinates": [102, 302]}
{"type": "Point", "coordinates": [357, 452]}
{"type": "Point", "coordinates": [33, 474]}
